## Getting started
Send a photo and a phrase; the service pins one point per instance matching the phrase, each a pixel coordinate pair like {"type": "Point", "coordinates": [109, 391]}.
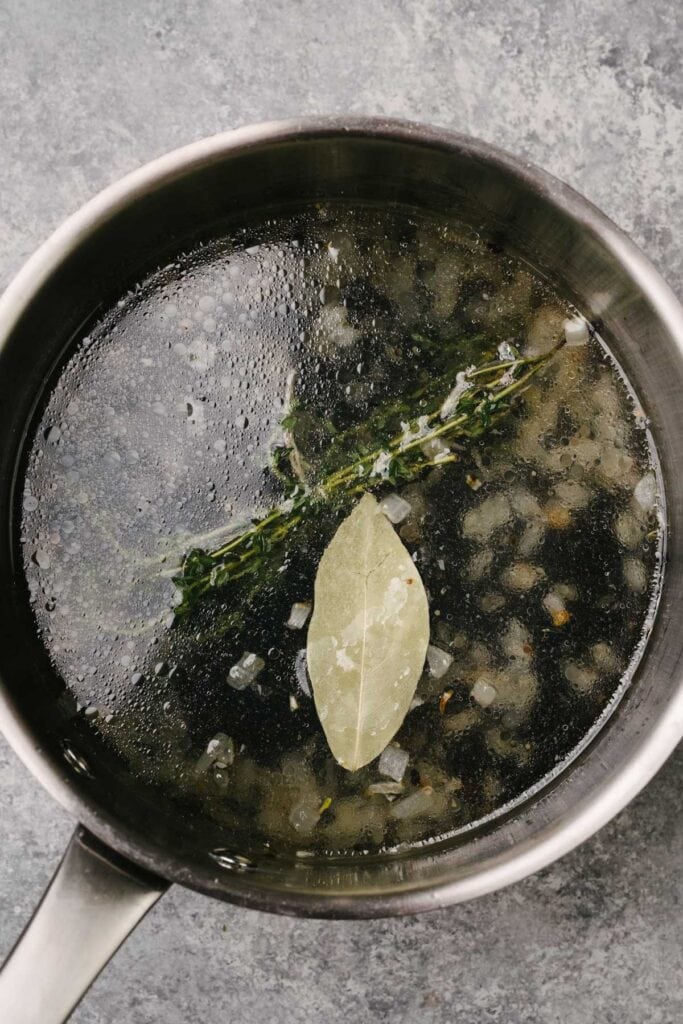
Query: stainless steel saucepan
{"type": "Point", "coordinates": [128, 847]}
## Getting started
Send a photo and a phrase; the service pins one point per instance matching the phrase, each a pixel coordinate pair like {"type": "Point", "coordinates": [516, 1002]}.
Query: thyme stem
{"type": "Point", "coordinates": [482, 402]}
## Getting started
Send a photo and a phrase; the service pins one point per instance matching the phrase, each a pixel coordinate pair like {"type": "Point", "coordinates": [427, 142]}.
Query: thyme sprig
{"type": "Point", "coordinates": [486, 394]}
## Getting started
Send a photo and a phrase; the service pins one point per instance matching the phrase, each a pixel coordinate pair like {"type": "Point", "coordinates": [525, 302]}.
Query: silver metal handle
{"type": "Point", "coordinates": [93, 902]}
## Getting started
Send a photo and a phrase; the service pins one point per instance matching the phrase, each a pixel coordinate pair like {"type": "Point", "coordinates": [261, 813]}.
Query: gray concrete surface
{"type": "Point", "coordinates": [594, 92]}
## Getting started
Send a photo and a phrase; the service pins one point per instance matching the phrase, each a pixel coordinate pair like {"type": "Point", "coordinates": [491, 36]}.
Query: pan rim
{"type": "Point", "coordinates": [614, 791]}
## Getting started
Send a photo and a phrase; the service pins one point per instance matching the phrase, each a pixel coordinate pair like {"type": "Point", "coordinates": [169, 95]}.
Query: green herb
{"type": "Point", "coordinates": [374, 457]}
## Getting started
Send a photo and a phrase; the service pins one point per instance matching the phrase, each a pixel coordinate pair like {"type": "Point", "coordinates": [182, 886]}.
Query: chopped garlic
{"type": "Point", "coordinates": [558, 517]}
{"type": "Point", "coordinates": [521, 576]}
{"type": "Point", "coordinates": [480, 523]}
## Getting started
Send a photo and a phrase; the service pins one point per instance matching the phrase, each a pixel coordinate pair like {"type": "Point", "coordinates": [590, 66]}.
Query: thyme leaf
{"type": "Point", "coordinates": [372, 458]}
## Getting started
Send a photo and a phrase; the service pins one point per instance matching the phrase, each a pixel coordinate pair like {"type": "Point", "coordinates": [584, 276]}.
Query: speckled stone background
{"type": "Point", "coordinates": [593, 92]}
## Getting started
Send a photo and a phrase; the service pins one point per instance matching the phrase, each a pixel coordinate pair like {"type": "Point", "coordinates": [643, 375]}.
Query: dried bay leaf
{"type": "Point", "coordinates": [368, 635]}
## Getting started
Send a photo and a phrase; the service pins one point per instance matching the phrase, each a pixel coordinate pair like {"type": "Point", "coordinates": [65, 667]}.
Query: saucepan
{"type": "Point", "coordinates": [129, 847]}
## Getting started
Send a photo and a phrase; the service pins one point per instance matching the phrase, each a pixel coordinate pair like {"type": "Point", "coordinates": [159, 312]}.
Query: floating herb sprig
{"type": "Point", "coordinates": [483, 396]}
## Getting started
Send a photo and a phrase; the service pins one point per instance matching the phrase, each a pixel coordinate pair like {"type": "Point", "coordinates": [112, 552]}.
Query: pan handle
{"type": "Point", "coordinates": [93, 902]}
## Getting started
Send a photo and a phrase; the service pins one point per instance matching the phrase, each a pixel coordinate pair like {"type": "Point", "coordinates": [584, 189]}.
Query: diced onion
{"type": "Point", "coordinates": [553, 603]}
{"type": "Point", "coordinates": [414, 804]}
{"type": "Point", "coordinates": [395, 508]}
{"type": "Point", "coordinates": [576, 332]}
{"type": "Point", "coordinates": [393, 762]}
{"type": "Point", "coordinates": [220, 750]}
{"type": "Point", "coordinates": [521, 576]}
{"type": "Point", "coordinates": [483, 693]}
{"type": "Point", "coordinates": [490, 602]}
{"type": "Point", "coordinates": [298, 615]}
{"type": "Point", "coordinates": [645, 492]}
{"type": "Point", "coordinates": [304, 816]}
{"type": "Point", "coordinates": [439, 661]}
{"type": "Point", "coordinates": [245, 671]}
{"type": "Point", "coordinates": [481, 522]}
{"type": "Point", "coordinates": [581, 677]}
{"type": "Point", "coordinates": [387, 789]}
{"type": "Point", "coordinates": [604, 657]}
{"type": "Point", "coordinates": [635, 575]}
{"type": "Point", "coordinates": [301, 673]}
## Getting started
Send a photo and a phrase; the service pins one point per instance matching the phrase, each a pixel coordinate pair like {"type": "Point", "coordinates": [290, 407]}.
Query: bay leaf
{"type": "Point", "coordinates": [368, 635]}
